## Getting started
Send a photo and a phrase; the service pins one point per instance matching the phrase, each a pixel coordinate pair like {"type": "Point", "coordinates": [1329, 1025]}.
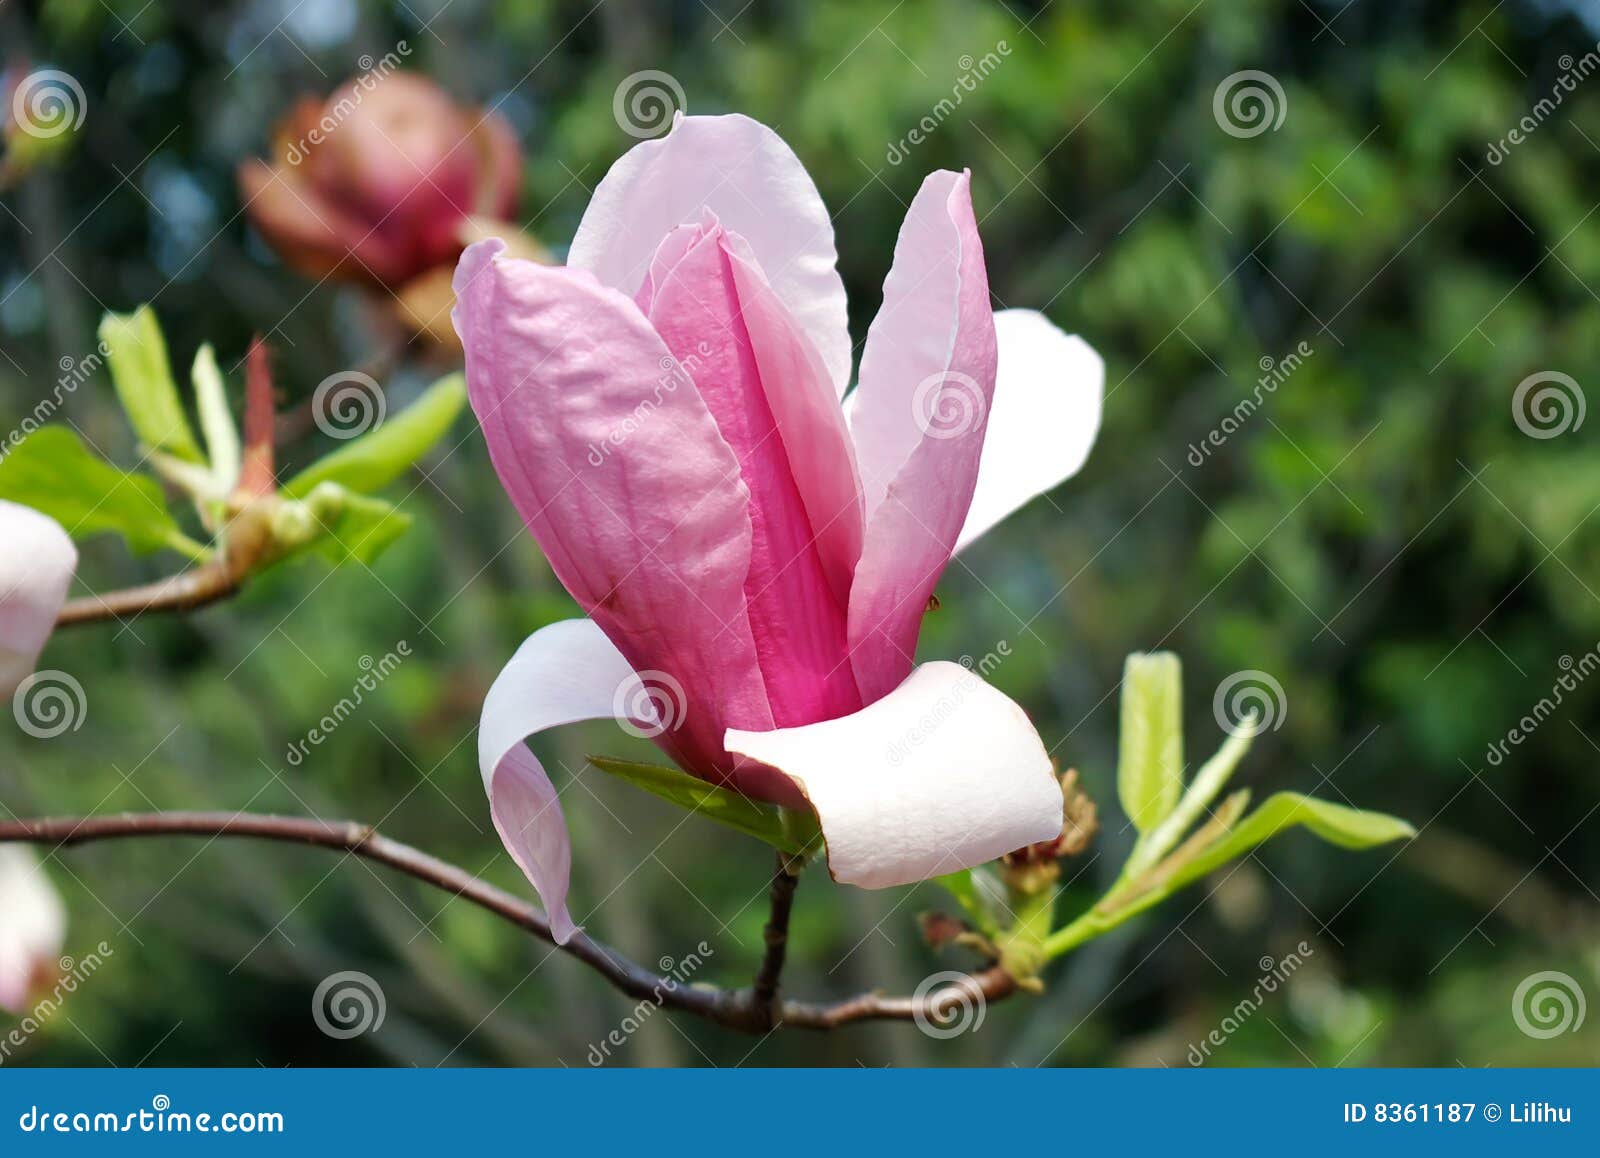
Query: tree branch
{"type": "Point", "coordinates": [209, 582]}
{"type": "Point", "coordinates": [753, 1010]}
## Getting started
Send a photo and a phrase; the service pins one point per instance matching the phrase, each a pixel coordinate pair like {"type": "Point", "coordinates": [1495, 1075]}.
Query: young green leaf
{"type": "Point", "coordinates": [761, 821]}
{"type": "Point", "coordinates": [1196, 800]}
{"type": "Point", "coordinates": [378, 457]}
{"type": "Point", "coordinates": [1150, 761]}
{"type": "Point", "coordinates": [53, 472]}
{"type": "Point", "coordinates": [142, 374]}
{"type": "Point", "coordinates": [216, 421]}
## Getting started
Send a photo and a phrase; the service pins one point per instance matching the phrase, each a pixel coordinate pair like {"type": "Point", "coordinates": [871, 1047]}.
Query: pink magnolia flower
{"type": "Point", "coordinates": [33, 928]}
{"type": "Point", "coordinates": [666, 413]}
{"type": "Point", "coordinates": [36, 569]}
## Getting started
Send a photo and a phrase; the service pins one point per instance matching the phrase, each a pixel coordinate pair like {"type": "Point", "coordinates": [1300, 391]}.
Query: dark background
{"type": "Point", "coordinates": [1380, 537]}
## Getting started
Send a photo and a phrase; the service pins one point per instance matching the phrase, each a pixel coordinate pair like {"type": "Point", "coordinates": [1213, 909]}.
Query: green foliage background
{"type": "Point", "coordinates": [1380, 536]}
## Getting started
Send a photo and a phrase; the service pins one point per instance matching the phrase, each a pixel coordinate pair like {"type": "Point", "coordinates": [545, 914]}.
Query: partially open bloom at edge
{"type": "Point", "coordinates": [33, 928]}
{"type": "Point", "coordinates": [666, 413]}
{"type": "Point", "coordinates": [36, 566]}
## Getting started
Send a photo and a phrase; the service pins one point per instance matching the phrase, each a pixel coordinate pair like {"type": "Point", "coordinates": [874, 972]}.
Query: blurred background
{"type": "Point", "coordinates": [1410, 556]}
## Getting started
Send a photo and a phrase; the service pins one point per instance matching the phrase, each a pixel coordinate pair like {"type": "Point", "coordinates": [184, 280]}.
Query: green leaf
{"type": "Point", "coordinates": [1335, 823]}
{"type": "Point", "coordinates": [1150, 756]}
{"type": "Point", "coordinates": [216, 421]}
{"type": "Point", "coordinates": [764, 822]}
{"type": "Point", "coordinates": [53, 472]}
{"type": "Point", "coordinates": [964, 886]}
{"type": "Point", "coordinates": [344, 526]}
{"type": "Point", "coordinates": [377, 458]}
{"type": "Point", "coordinates": [142, 374]}
{"type": "Point", "coordinates": [1203, 789]}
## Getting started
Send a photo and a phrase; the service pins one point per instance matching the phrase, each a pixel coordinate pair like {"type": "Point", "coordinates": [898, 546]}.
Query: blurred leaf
{"type": "Point", "coordinates": [1150, 761]}
{"type": "Point", "coordinates": [142, 374]}
{"type": "Point", "coordinates": [53, 472]}
{"type": "Point", "coordinates": [216, 422]}
{"type": "Point", "coordinates": [1334, 823]}
{"type": "Point", "coordinates": [764, 822]}
{"type": "Point", "coordinates": [377, 458]}
{"type": "Point", "coordinates": [349, 526]}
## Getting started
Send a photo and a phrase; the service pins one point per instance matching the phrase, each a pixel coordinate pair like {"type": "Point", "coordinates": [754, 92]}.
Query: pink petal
{"type": "Point", "coordinates": [563, 673]}
{"type": "Point", "coordinates": [1044, 418]}
{"type": "Point", "coordinates": [605, 447]}
{"type": "Point", "coordinates": [796, 611]}
{"type": "Point", "coordinates": [927, 379]}
{"type": "Point", "coordinates": [744, 173]}
{"type": "Point", "coordinates": [36, 569]}
{"type": "Point", "coordinates": [33, 927]}
{"type": "Point", "coordinates": [943, 773]}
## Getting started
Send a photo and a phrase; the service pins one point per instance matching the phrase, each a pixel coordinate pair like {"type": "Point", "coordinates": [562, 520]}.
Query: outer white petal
{"type": "Point", "coordinates": [33, 926]}
{"type": "Point", "coordinates": [37, 560]}
{"type": "Point", "coordinates": [563, 673]}
{"type": "Point", "coordinates": [756, 186]}
{"type": "Point", "coordinates": [1043, 420]}
{"type": "Point", "coordinates": [943, 773]}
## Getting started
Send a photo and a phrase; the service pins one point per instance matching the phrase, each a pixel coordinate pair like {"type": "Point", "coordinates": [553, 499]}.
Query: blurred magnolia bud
{"type": "Point", "coordinates": [36, 567]}
{"type": "Point", "coordinates": [375, 183]}
{"type": "Point", "coordinates": [33, 928]}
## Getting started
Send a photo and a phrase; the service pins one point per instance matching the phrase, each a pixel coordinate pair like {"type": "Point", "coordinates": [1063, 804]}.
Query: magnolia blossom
{"type": "Point", "coordinates": [33, 927]}
{"type": "Point", "coordinates": [36, 567]}
{"type": "Point", "coordinates": [377, 183]}
{"type": "Point", "coordinates": [755, 553]}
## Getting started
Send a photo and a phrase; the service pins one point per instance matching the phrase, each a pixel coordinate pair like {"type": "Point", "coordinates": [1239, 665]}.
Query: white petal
{"type": "Point", "coordinates": [33, 926]}
{"type": "Point", "coordinates": [756, 186]}
{"type": "Point", "coordinates": [37, 560]}
{"type": "Point", "coordinates": [1043, 420]}
{"type": "Point", "coordinates": [563, 673]}
{"type": "Point", "coordinates": [943, 773]}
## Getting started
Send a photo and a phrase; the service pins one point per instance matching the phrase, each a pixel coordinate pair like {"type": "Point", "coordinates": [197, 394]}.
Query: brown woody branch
{"type": "Point", "coordinates": [753, 1010]}
{"type": "Point", "coordinates": [208, 583]}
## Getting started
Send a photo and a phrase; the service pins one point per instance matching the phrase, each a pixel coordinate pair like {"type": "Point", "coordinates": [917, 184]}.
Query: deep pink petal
{"type": "Point", "coordinates": [605, 447]}
{"type": "Point", "coordinates": [919, 415]}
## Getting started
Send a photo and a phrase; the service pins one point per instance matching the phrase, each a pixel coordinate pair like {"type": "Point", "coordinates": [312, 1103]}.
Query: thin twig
{"type": "Point", "coordinates": [764, 993]}
{"type": "Point", "coordinates": [737, 1009]}
{"type": "Point", "coordinates": [209, 582]}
